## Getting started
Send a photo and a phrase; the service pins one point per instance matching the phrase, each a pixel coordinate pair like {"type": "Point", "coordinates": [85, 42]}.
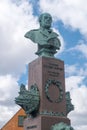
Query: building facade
{"type": "Point", "coordinates": [16, 122]}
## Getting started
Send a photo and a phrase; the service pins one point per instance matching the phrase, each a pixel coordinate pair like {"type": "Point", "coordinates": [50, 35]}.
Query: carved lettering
{"type": "Point", "coordinates": [53, 66]}
{"type": "Point", "coordinates": [31, 127]}
{"type": "Point", "coordinates": [53, 69]}
{"type": "Point", "coordinates": [54, 74]}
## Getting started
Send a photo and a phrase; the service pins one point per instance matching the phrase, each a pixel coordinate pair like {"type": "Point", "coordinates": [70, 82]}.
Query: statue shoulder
{"type": "Point", "coordinates": [31, 34]}
{"type": "Point", "coordinates": [55, 34]}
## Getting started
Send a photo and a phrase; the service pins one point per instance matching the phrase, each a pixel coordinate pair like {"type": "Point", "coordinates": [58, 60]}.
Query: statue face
{"type": "Point", "coordinates": [46, 21]}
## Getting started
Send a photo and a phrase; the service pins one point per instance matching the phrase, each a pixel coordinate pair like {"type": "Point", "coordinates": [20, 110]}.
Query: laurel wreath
{"type": "Point", "coordinates": [59, 86]}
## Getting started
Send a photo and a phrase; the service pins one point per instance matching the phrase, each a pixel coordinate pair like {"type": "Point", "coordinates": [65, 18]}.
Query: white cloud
{"type": "Point", "coordinates": [15, 50]}
{"type": "Point", "coordinates": [78, 90]}
{"type": "Point", "coordinates": [7, 113]}
{"type": "Point", "coordinates": [8, 85]}
{"type": "Point", "coordinates": [76, 69]}
{"type": "Point", "coordinates": [81, 48]}
{"type": "Point", "coordinates": [8, 91]}
{"type": "Point", "coordinates": [73, 82]}
{"type": "Point", "coordinates": [72, 12]}
{"type": "Point", "coordinates": [70, 69]}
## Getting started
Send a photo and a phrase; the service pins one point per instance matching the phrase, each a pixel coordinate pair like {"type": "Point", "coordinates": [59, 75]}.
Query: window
{"type": "Point", "coordinates": [20, 120]}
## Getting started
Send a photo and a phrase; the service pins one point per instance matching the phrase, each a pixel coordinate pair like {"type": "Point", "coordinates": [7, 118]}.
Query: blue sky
{"type": "Point", "coordinates": [69, 21]}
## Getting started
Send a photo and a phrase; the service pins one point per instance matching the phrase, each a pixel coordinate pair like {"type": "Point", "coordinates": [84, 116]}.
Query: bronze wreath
{"type": "Point", "coordinates": [58, 84]}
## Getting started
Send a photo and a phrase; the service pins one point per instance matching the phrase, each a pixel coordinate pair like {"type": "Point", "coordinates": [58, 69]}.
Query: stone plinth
{"type": "Point", "coordinates": [48, 74]}
{"type": "Point", "coordinates": [43, 122]}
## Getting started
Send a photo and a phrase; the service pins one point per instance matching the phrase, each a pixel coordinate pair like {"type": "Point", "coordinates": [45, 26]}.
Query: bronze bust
{"type": "Point", "coordinates": [46, 39]}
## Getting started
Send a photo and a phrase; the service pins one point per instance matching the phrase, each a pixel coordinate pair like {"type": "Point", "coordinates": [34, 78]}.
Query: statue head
{"type": "Point", "coordinates": [47, 40]}
{"type": "Point", "coordinates": [45, 20]}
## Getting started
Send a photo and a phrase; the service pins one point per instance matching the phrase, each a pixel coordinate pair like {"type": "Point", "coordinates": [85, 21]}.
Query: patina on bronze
{"type": "Point", "coordinates": [69, 105]}
{"type": "Point", "coordinates": [29, 100]}
{"type": "Point", "coordinates": [61, 126]}
{"type": "Point", "coordinates": [47, 40]}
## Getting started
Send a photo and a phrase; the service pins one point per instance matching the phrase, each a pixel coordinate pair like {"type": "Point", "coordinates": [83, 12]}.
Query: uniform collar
{"type": "Point", "coordinates": [46, 32]}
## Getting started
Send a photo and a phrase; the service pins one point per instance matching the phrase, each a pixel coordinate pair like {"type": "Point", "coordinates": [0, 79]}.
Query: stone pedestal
{"type": "Point", "coordinates": [48, 75]}
{"type": "Point", "coordinates": [43, 122]}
